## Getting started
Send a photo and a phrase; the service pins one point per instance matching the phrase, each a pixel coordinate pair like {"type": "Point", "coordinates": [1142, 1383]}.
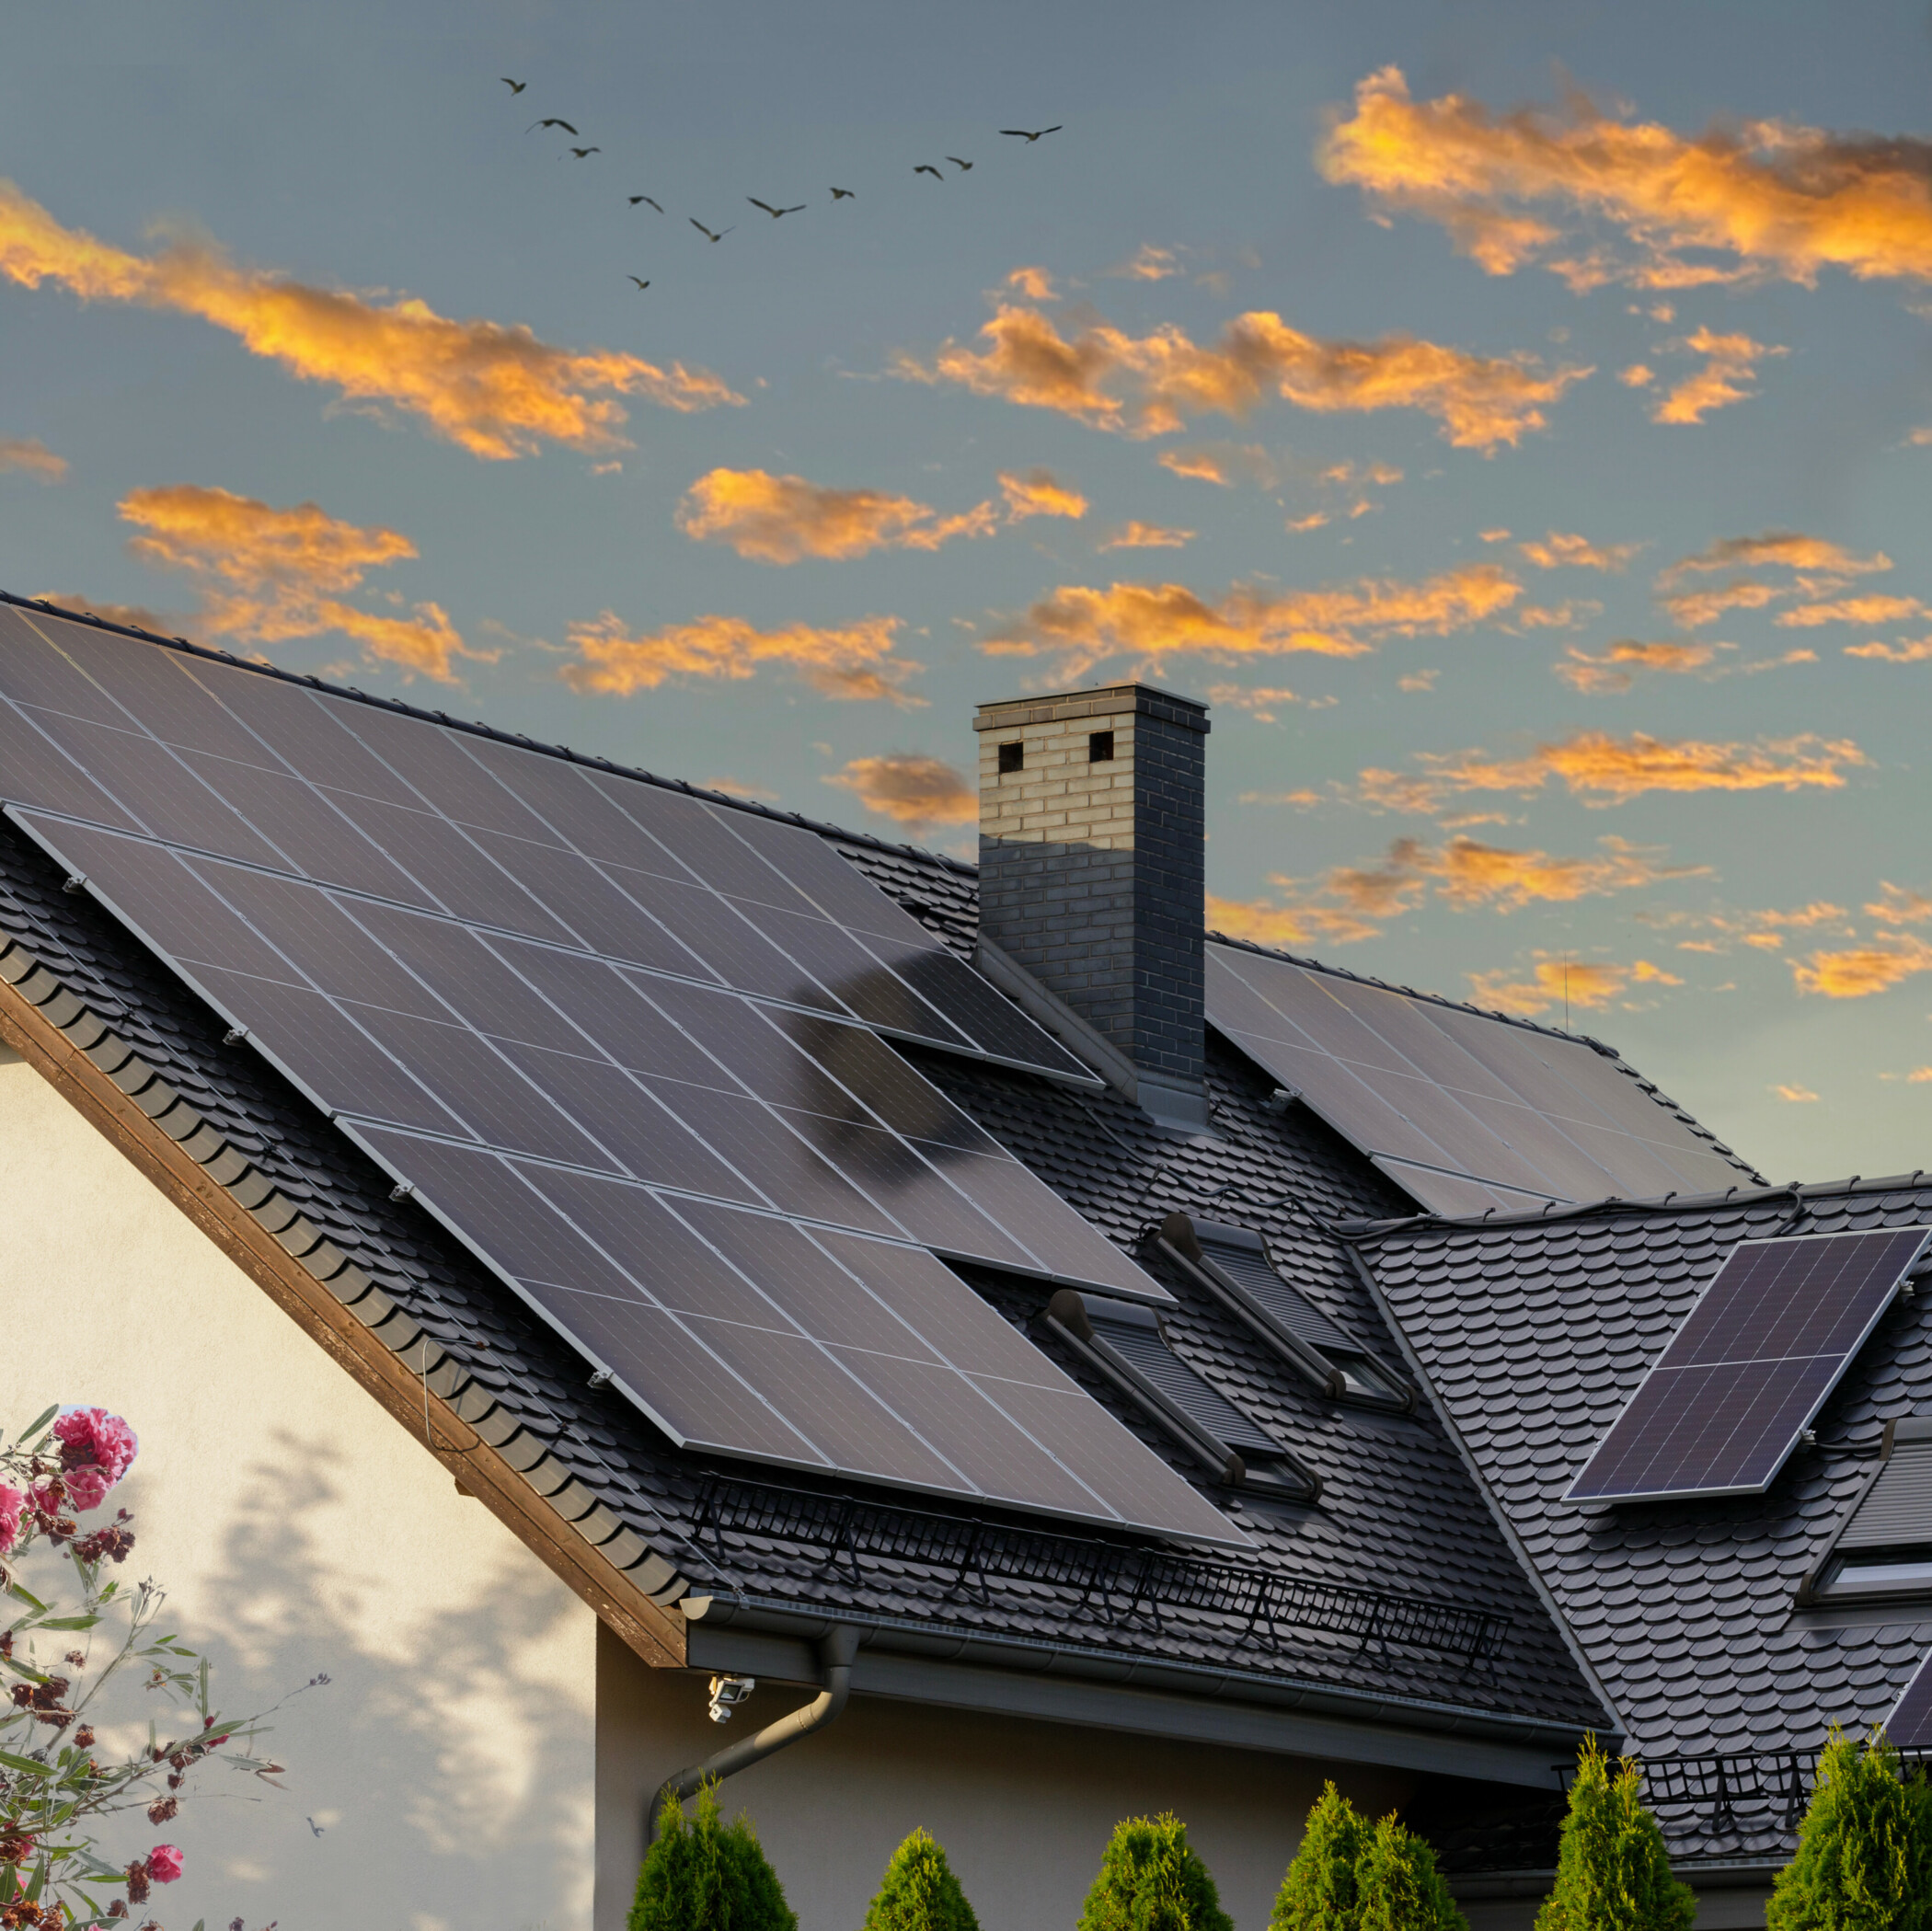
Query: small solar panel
{"type": "Point", "coordinates": [1724, 1404]}
{"type": "Point", "coordinates": [1464, 1112]}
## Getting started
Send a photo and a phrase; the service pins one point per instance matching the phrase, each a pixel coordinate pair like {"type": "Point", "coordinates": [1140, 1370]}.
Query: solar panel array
{"type": "Point", "coordinates": [1464, 1112]}
{"type": "Point", "coordinates": [626, 1089]}
{"type": "Point", "coordinates": [1740, 1381]}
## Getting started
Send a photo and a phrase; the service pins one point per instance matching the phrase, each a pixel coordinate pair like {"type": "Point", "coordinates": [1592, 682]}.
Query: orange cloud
{"type": "Point", "coordinates": [1161, 381]}
{"type": "Point", "coordinates": [1780, 200]}
{"type": "Point", "coordinates": [1148, 264]}
{"type": "Point", "coordinates": [1262, 923]}
{"type": "Point", "coordinates": [1862, 970]}
{"type": "Point", "coordinates": [1896, 906]}
{"type": "Point", "coordinates": [271, 575]}
{"type": "Point", "coordinates": [1039, 493]}
{"type": "Point", "coordinates": [496, 391]}
{"type": "Point", "coordinates": [1787, 548]}
{"type": "Point", "coordinates": [1691, 609]}
{"type": "Point", "coordinates": [1083, 626]}
{"type": "Point", "coordinates": [910, 788]}
{"type": "Point", "coordinates": [1598, 674]}
{"type": "Point", "coordinates": [855, 661]}
{"type": "Point", "coordinates": [1798, 1095]}
{"type": "Point", "coordinates": [1035, 284]}
{"type": "Point", "coordinates": [1560, 552]}
{"type": "Point", "coordinates": [1915, 650]}
{"type": "Point", "coordinates": [1223, 463]}
{"type": "Point", "coordinates": [1469, 874]}
{"type": "Point", "coordinates": [29, 457]}
{"type": "Point", "coordinates": [1301, 525]}
{"type": "Point", "coordinates": [1147, 536]}
{"type": "Point", "coordinates": [1604, 770]}
{"type": "Point", "coordinates": [136, 616]}
{"type": "Point", "coordinates": [1852, 610]}
{"type": "Point", "coordinates": [1556, 983]}
{"type": "Point", "coordinates": [1729, 372]}
{"type": "Point", "coordinates": [1637, 376]}
{"type": "Point", "coordinates": [782, 519]}
{"type": "Point", "coordinates": [1263, 700]}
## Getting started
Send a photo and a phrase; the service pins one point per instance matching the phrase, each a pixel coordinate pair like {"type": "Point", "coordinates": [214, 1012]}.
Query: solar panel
{"type": "Point", "coordinates": [1465, 1113]}
{"type": "Point", "coordinates": [1910, 1723]}
{"type": "Point", "coordinates": [221, 759]}
{"type": "Point", "coordinates": [752, 1335]}
{"type": "Point", "coordinates": [1725, 1402]}
{"type": "Point", "coordinates": [624, 1048]}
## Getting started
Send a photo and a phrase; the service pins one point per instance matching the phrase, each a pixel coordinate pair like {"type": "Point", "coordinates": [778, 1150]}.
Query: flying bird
{"type": "Point", "coordinates": [581, 152]}
{"type": "Point", "coordinates": [515, 87]}
{"type": "Point", "coordinates": [843, 194]}
{"type": "Point", "coordinates": [964, 167]}
{"type": "Point", "coordinates": [705, 231]}
{"type": "Point", "coordinates": [933, 172]}
{"type": "Point", "coordinates": [637, 198]}
{"type": "Point", "coordinates": [640, 284]}
{"type": "Point", "coordinates": [774, 213]}
{"type": "Point", "coordinates": [565, 125]}
{"type": "Point", "coordinates": [1031, 134]}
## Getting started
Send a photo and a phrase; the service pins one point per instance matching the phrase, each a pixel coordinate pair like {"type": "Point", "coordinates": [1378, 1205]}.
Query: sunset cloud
{"type": "Point", "coordinates": [1777, 199]}
{"type": "Point", "coordinates": [1861, 971]}
{"type": "Point", "coordinates": [29, 457]}
{"type": "Point", "coordinates": [1729, 372]}
{"type": "Point", "coordinates": [1818, 567]}
{"type": "Point", "coordinates": [1611, 671]}
{"type": "Point", "coordinates": [1154, 384]}
{"type": "Point", "coordinates": [1148, 264]}
{"type": "Point", "coordinates": [1556, 983]}
{"type": "Point", "coordinates": [492, 389]}
{"type": "Point", "coordinates": [270, 575]}
{"type": "Point", "coordinates": [1797, 1095]}
{"type": "Point", "coordinates": [1560, 552]}
{"type": "Point", "coordinates": [1083, 626]}
{"type": "Point", "coordinates": [1852, 610]}
{"type": "Point", "coordinates": [1896, 906]}
{"type": "Point", "coordinates": [855, 660]}
{"type": "Point", "coordinates": [1915, 650]}
{"type": "Point", "coordinates": [910, 788]}
{"type": "Point", "coordinates": [1039, 493]}
{"type": "Point", "coordinates": [1035, 284]}
{"type": "Point", "coordinates": [1295, 928]}
{"type": "Point", "coordinates": [1604, 770]}
{"type": "Point", "coordinates": [784, 518]}
{"type": "Point", "coordinates": [1147, 536]}
{"type": "Point", "coordinates": [1223, 463]}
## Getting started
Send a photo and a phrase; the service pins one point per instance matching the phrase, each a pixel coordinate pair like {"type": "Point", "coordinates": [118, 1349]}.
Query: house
{"type": "Point", "coordinates": [588, 1257]}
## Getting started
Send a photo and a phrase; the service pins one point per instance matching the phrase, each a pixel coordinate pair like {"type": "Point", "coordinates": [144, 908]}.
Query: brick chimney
{"type": "Point", "coordinates": [1092, 849]}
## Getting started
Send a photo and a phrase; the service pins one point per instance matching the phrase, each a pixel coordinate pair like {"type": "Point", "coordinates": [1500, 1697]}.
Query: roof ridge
{"type": "Point", "coordinates": [478, 728]}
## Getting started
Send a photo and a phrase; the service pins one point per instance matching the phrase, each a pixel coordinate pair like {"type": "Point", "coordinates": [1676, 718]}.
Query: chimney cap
{"type": "Point", "coordinates": [1111, 700]}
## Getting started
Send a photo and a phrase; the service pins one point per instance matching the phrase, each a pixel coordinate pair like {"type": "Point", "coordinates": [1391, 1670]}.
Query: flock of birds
{"type": "Point", "coordinates": [1028, 135]}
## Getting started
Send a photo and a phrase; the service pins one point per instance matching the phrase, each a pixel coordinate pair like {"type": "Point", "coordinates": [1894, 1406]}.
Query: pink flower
{"type": "Point", "coordinates": [88, 1487]}
{"type": "Point", "coordinates": [92, 1437]}
{"type": "Point", "coordinates": [164, 1864]}
{"type": "Point", "coordinates": [11, 1503]}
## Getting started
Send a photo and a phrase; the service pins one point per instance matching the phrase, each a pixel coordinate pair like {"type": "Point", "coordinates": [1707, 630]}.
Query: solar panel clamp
{"type": "Point", "coordinates": [1177, 1239]}
{"type": "Point", "coordinates": [1070, 1314]}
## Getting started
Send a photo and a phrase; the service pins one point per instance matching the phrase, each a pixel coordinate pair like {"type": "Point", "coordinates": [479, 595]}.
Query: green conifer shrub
{"type": "Point", "coordinates": [1397, 1886]}
{"type": "Point", "coordinates": [920, 1893]}
{"type": "Point", "coordinates": [703, 1874]}
{"type": "Point", "coordinates": [1864, 1858]}
{"type": "Point", "coordinates": [1319, 1890]}
{"type": "Point", "coordinates": [1150, 1880]}
{"type": "Point", "coordinates": [1613, 1871]}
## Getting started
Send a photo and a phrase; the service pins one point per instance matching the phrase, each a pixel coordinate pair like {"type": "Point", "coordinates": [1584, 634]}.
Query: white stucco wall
{"type": "Point", "coordinates": [1023, 1809]}
{"type": "Point", "coordinates": [445, 1779]}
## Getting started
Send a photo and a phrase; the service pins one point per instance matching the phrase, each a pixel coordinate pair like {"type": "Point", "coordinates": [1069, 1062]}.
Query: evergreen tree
{"type": "Point", "coordinates": [1319, 1890]}
{"type": "Point", "coordinates": [1863, 1859]}
{"type": "Point", "coordinates": [1150, 1880]}
{"type": "Point", "coordinates": [1613, 1871]}
{"type": "Point", "coordinates": [920, 1893]}
{"type": "Point", "coordinates": [1398, 1887]}
{"type": "Point", "coordinates": [704, 1875]}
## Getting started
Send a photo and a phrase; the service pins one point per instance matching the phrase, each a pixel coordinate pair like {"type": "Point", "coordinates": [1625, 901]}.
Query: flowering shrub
{"type": "Point", "coordinates": [57, 1782]}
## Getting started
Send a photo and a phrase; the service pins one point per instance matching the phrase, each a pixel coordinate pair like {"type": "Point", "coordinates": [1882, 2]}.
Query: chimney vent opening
{"type": "Point", "coordinates": [1012, 758]}
{"type": "Point", "coordinates": [1100, 747]}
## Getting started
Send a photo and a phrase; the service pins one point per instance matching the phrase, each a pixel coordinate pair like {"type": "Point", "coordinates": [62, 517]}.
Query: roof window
{"type": "Point", "coordinates": [1128, 1345]}
{"type": "Point", "coordinates": [1234, 1266]}
{"type": "Point", "coordinates": [1883, 1547]}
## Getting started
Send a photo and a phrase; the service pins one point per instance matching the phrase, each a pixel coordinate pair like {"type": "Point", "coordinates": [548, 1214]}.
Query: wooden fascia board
{"type": "Point", "coordinates": [655, 1632]}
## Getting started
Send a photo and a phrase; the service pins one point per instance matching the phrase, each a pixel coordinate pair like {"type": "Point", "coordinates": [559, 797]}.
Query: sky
{"type": "Point", "coordinates": [1515, 419]}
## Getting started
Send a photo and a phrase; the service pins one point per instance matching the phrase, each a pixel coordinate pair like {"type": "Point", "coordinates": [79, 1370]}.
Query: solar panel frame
{"type": "Point", "coordinates": [1829, 1334]}
{"type": "Point", "coordinates": [1910, 1724]}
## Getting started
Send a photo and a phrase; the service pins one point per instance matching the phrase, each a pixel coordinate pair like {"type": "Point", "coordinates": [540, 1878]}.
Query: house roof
{"type": "Point", "coordinates": [1533, 1332]}
{"type": "Point", "coordinates": [1401, 1540]}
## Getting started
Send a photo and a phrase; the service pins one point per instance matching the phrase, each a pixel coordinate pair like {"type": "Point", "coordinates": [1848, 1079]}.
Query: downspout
{"type": "Point", "coordinates": [835, 1653]}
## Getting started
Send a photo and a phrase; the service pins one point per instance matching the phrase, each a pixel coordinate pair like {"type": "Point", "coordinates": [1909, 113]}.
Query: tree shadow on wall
{"type": "Point", "coordinates": [443, 1779]}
